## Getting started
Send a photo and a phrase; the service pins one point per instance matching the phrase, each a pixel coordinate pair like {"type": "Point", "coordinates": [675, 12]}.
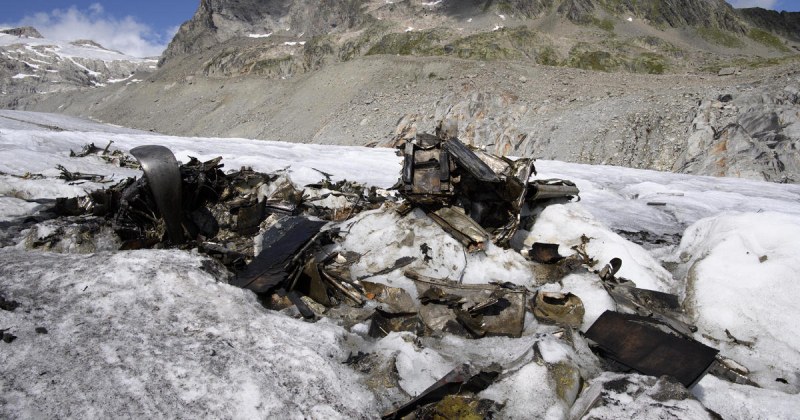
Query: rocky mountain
{"type": "Point", "coordinates": [622, 82]}
{"type": "Point", "coordinates": [33, 65]}
{"type": "Point", "coordinates": [786, 24]}
{"type": "Point", "coordinates": [252, 37]}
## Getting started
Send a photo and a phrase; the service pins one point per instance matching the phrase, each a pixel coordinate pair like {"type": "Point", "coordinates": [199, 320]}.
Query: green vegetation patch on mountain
{"type": "Point", "coordinates": [503, 44]}
{"type": "Point", "coordinates": [586, 56]}
{"type": "Point", "coordinates": [410, 43]}
{"type": "Point", "coordinates": [766, 38]}
{"type": "Point", "coordinates": [717, 36]}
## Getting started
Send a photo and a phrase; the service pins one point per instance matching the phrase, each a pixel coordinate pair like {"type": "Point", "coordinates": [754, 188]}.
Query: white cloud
{"type": "Point", "coordinates": [96, 8]}
{"type": "Point", "coordinates": [126, 34]}
{"type": "Point", "coordinates": [766, 4]}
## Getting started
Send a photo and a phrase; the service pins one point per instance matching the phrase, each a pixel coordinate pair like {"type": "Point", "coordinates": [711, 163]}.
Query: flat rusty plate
{"type": "Point", "coordinates": [633, 342]}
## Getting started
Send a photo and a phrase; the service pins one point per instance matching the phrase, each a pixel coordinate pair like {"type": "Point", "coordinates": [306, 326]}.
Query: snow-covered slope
{"type": "Point", "coordinates": [40, 65]}
{"type": "Point", "coordinates": [152, 333]}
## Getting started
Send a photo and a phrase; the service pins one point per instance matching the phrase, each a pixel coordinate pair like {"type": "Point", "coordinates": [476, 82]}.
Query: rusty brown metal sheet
{"type": "Point", "coordinates": [498, 310]}
{"type": "Point", "coordinates": [635, 342]}
{"type": "Point", "coordinates": [461, 227]}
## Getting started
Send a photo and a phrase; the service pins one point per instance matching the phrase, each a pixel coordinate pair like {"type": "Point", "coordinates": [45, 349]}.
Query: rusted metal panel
{"type": "Point", "coordinates": [461, 227]}
{"type": "Point", "coordinates": [634, 341]}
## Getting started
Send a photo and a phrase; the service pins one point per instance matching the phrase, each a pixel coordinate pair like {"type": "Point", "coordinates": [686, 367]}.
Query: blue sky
{"type": "Point", "coordinates": [788, 5]}
{"type": "Point", "coordinates": [140, 28]}
{"type": "Point", "coordinates": [144, 27]}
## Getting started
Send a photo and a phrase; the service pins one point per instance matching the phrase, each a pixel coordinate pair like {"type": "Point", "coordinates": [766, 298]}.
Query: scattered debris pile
{"type": "Point", "coordinates": [280, 242]}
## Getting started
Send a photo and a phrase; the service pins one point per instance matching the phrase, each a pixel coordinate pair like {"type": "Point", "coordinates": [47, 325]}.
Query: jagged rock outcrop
{"type": "Point", "coordinates": [752, 134]}
{"type": "Point", "coordinates": [783, 23]}
{"type": "Point", "coordinates": [217, 21]}
{"type": "Point", "coordinates": [486, 119]}
{"type": "Point", "coordinates": [678, 13]}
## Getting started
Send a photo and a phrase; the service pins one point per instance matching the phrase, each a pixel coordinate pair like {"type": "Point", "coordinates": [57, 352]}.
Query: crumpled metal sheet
{"type": "Point", "coordinates": [462, 379]}
{"type": "Point", "coordinates": [483, 310]}
{"type": "Point", "coordinates": [565, 309]}
{"type": "Point", "coordinates": [382, 323]}
{"type": "Point", "coordinates": [392, 299]}
{"type": "Point", "coordinates": [443, 173]}
{"type": "Point", "coordinates": [664, 307]}
{"type": "Point", "coordinates": [282, 243]}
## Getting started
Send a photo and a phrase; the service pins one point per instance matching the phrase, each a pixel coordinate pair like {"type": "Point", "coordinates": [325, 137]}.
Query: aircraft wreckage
{"type": "Point", "coordinates": [275, 240]}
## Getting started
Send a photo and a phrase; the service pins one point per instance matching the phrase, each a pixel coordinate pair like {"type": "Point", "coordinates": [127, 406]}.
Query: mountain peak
{"type": "Point", "coordinates": [26, 31]}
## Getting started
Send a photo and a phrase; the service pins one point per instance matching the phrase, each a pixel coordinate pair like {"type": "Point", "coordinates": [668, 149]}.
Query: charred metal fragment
{"type": "Point", "coordinates": [311, 284]}
{"type": "Point", "coordinates": [393, 299]}
{"type": "Point", "coordinates": [343, 287]}
{"type": "Point", "coordinates": [282, 244]}
{"type": "Point", "coordinates": [481, 310]}
{"type": "Point", "coordinates": [471, 163]}
{"type": "Point", "coordinates": [637, 343]}
{"type": "Point", "coordinates": [67, 175]}
{"type": "Point", "coordinates": [88, 149]}
{"type": "Point", "coordinates": [353, 359]}
{"type": "Point", "coordinates": [382, 323]}
{"type": "Point", "coordinates": [436, 295]}
{"type": "Point", "coordinates": [423, 165]}
{"type": "Point", "coordinates": [115, 157]}
{"type": "Point", "coordinates": [664, 307]}
{"type": "Point", "coordinates": [731, 371]}
{"type": "Point", "coordinates": [545, 253]}
{"type": "Point", "coordinates": [301, 306]}
{"type": "Point", "coordinates": [551, 188]}
{"type": "Point", "coordinates": [461, 380]}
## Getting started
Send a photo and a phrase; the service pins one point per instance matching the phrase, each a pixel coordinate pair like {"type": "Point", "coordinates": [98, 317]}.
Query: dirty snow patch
{"type": "Point", "coordinates": [149, 333]}
{"type": "Point", "coordinates": [742, 277]}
